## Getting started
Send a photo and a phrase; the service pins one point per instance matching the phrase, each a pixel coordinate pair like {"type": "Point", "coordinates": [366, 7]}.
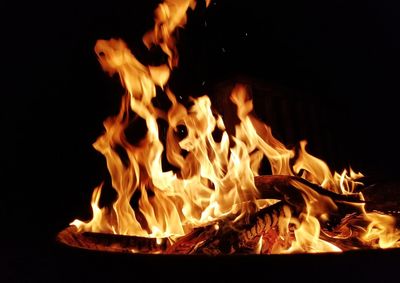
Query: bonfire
{"type": "Point", "coordinates": [213, 201]}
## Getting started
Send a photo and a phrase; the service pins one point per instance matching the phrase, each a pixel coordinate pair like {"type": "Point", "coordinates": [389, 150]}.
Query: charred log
{"type": "Point", "coordinates": [284, 187]}
{"type": "Point", "coordinates": [263, 221]}
{"type": "Point", "coordinates": [227, 236]}
{"type": "Point", "coordinates": [110, 242]}
{"type": "Point", "coordinates": [190, 243]}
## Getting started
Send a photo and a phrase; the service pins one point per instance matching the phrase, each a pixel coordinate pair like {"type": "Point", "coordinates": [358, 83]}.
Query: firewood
{"type": "Point", "coordinates": [226, 236]}
{"type": "Point", "coordinates": [283, 187]}
{"type": "Point", "coordinates": [110, 242]}
{"type": "Point", "coordinates": [262, 222]}
{"type": "Point", "coordinates": [190, 243]}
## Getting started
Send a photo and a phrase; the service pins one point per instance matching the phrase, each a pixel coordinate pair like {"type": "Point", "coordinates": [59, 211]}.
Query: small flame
{"type": "Point", "coordinates": [215, 177]}
{"type": "Point", "coordinates": [380, 231]}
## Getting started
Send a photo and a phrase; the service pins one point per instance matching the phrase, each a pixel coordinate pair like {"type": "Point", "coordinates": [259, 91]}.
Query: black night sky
{"type": "Point", "coordinates": [343, 55]}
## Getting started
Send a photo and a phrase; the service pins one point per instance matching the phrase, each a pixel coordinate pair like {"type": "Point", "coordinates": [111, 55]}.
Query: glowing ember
{"type": "Point", "coordinates": [214, 201]}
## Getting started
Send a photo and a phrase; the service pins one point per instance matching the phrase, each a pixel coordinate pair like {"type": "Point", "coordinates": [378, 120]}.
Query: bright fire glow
{"type": "Point", "coordinates": [216, 176]}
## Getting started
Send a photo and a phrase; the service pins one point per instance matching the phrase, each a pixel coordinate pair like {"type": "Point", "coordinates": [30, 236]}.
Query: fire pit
{"type": "Point", "coordinates": [191, 185]}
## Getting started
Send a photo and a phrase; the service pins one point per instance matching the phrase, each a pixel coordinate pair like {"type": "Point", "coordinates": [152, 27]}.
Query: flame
{"type": "Point", "coordinates": [215, 177]}
{"type": "Point", "coordinates": [380, 231]}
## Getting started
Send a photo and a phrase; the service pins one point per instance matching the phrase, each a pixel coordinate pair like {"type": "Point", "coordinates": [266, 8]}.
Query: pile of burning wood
{"type": "Point", "coordinates": [214, 201]}
{"type": "Point", "coordinates": [256, 232]}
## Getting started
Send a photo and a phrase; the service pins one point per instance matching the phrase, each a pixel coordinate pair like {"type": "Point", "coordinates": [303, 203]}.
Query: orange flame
{"type": "Point", "coordinates": [214, 178]}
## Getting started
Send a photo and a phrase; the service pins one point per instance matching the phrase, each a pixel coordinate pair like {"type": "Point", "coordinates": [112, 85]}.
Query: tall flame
{"type": "Point", "coordinates": [215, 177]}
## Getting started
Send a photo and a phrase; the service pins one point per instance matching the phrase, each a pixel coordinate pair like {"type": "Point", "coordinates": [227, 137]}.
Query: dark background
{"type": "Point", "coordinates": [341, 57]}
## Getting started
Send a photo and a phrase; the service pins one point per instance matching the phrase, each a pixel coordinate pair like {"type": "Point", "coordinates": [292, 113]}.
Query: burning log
{"type": "Point", "coordinates": [263, 222]}
{"type": "Point", "coordinates": [295, 190]}
{"type": "Point", "coordinates": [224, 237]}
{"type": "Point", "coordinates": [190, 243]}
{"type": "Point", "coordinates": [228, 237]}
{"type": "Point", "coordinates": [110, 242]}
{"type": "Point", "coordinates": [287, 188]}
